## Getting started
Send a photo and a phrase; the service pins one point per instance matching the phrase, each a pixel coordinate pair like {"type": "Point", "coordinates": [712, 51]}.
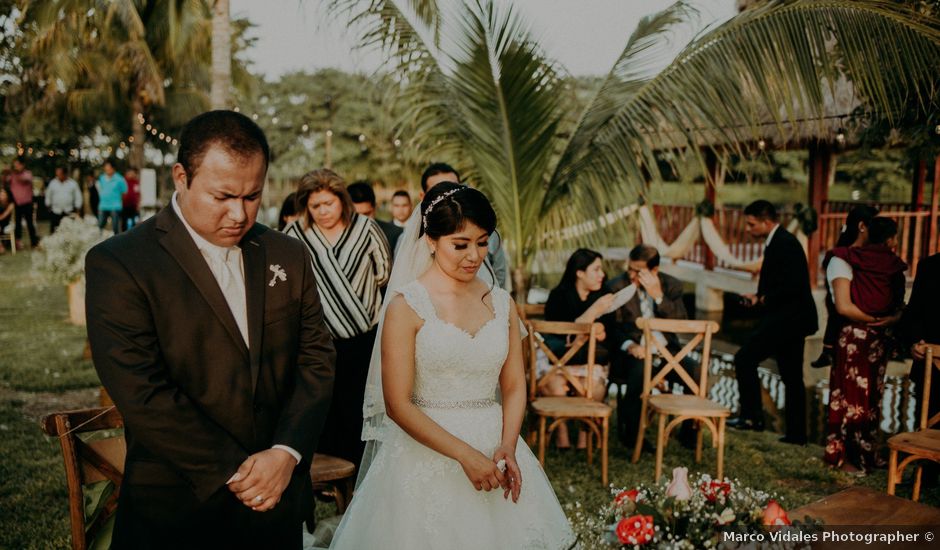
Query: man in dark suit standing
{"type": "Point", "coordinates": [789, 317]}
{"type": "Point", "coordinates": [658, 296]}
{"type": "Point", "coordinates": [206, 329]}
{"type": "Point", "coordinates": [918, 327]}
{"type": "Point", "coordinates": [363, 198]}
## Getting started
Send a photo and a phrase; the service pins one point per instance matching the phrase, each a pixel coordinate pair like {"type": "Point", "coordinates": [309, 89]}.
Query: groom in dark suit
{"type": "Point", "coordinates": [206, 329]}
{"type": "Point", "coordinates": [789, 317]}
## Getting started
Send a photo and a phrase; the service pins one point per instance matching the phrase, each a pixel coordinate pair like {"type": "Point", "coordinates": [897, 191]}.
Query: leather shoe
{"type": "Point", "coordinates": [793, 440]}
{"type": "Point", "coordinates": [742, 423]}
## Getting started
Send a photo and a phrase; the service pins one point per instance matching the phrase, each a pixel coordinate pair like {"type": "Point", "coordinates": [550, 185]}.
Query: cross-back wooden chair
{"type": "Point", "coordinates": [11, 236]}
{"type": "Point", "coordinates": [87, 462]}
{"type": "Point", "coordinates": [695, 406]}
{"type": "Point", "coordinates": [582, 407]}
{"type": "Point", "coordinates": [531, 311]}
{"type": "Point", "coordinates": [924, 444]}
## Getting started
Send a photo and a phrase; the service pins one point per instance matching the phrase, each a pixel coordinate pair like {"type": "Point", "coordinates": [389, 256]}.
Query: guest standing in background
{"type": "Point", "coordinates": [789, 316]}
{"type": "Point", "coordinates": [130, 212]}
{"type": "Point", "coordinates": [401, 208]}
{"type": "Point", "coordinates": [919, 326]}
{"type": "Point", "coordinates": [363, 197]}
{"type": "Point", "coordinates": [352, 263]}
{"type": "Point", "coordinates": [868, 288]}
{"type": "Point", "coordinates": [288, 212]}
{"type": "Point", "coordinates": [21, 186]}
{"type": "Point", "coordinates": [579, 298]}
{"type": "Point", "coordinates": [63, 198]}
{"type": "Point", "coordinates": [854, 233]}
{"type": "Point", "coordinates": [111, 188]}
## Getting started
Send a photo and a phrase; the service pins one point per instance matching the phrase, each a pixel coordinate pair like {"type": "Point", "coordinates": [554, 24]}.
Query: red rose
{"type": "Point", "coordinates": [636, 530]}
{"type": "Point", "coordinates": [713, 489]}
{"type": "Point", "coordinates": [774, 514]}
{"type": "Point", "coordinates": [624, 496]}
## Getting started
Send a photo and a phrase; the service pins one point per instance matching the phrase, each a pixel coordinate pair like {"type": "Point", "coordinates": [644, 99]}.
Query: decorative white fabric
{"type": "Point", "coordinates": [437, 507]}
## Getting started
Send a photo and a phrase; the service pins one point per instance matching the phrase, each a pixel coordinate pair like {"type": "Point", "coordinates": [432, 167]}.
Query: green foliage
{"type": "Point", "coordinates": [874, 173]}
{"type": "Point", "coordinates": [489, 101]}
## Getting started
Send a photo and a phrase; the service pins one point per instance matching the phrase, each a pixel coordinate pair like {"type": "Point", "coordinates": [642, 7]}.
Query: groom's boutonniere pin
{"type": "Point", "coordinates": [279, 274]}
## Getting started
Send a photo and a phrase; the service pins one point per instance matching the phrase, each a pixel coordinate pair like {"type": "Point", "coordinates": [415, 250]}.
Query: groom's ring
{"type": "Point", "coordinates": [259, 499]}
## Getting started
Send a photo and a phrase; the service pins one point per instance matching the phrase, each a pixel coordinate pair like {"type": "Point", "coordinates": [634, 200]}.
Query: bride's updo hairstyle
{"type": "Point", "coordinates": [448, 206]}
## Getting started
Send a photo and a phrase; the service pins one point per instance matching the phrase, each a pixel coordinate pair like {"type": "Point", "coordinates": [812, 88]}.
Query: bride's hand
{"type": "Point", "coordinates": [513, 481]}
{"type": "Point", "coordinates": [482, 472]}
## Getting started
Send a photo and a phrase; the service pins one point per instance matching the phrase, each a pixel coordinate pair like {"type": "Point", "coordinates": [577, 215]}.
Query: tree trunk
{"type": "Point", "coordinates": [137, 131]}
{"type": "Point", "coordinates": [221, 56]}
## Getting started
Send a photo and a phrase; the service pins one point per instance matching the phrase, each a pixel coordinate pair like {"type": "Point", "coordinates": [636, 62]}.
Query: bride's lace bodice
{"type": "Point", "coordinates": [450, 363]}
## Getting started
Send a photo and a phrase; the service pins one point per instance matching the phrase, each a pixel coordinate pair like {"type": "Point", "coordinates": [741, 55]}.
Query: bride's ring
{"type": "Point", "coordinates": [259, 499]}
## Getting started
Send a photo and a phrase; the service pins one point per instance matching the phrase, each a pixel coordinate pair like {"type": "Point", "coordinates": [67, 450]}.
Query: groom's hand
{"type": "Point", "coordinates": [266, 475]}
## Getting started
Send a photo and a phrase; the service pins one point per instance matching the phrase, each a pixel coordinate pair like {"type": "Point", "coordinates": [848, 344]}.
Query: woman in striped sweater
{"type": "Point", "coordinates": [352, 262]}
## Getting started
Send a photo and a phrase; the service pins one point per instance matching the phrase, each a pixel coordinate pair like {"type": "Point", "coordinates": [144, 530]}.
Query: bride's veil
{"type": "Point", "coordinates": [411, 260]}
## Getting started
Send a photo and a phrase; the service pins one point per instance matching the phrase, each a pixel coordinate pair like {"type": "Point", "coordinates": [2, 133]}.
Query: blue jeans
{"type": "Point", "coordinates": [115, 216]}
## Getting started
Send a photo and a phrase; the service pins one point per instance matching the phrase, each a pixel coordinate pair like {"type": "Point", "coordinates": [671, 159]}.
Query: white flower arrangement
{"type": "Point", "coordinates": [63, 259]}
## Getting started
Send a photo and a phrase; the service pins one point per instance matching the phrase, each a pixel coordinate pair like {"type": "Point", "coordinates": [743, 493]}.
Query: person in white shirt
{"type": "Point", "coordinates": [63, 198]}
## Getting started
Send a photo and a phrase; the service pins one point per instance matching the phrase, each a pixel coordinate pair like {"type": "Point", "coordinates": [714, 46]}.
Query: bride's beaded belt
{"type": "Point", "coordinates": [437, 404]}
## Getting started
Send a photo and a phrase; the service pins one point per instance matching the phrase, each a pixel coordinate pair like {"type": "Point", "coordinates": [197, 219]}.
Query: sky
{"type": "Point", "coordinates": [585, 36]}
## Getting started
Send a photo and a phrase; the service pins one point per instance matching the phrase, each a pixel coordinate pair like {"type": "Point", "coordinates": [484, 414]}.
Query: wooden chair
{"type": "Point", "coordinates": [583, 407]}
{"type": "Point", "coordinates": [11, 236]}
{"type": "Point", "coordinates": [333, 476]}
{"type": "Point", "coordinates": [696, 406]}
{"type": "Point", "coordinates": [531, 311]}
{"type": "Point", "coordinates": [922, 444]}
{"type": "Point", "coordinates": [87, 462]}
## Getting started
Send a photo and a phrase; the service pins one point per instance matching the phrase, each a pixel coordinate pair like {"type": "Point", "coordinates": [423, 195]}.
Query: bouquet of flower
{"type": "Point", "coordinates": [705, 513]}
{"type": "Point", "coordinates": [64, 257]}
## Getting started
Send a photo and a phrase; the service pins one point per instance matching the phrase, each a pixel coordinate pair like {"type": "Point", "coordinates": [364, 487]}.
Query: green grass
{"type": "Point", "coordinates": [41, 370]}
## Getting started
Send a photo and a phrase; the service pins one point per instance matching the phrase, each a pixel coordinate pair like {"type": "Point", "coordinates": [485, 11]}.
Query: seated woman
{"type": "Point", "coordinates": [868, 286]}
{"type": "Point", "coordinates": [578, 298]}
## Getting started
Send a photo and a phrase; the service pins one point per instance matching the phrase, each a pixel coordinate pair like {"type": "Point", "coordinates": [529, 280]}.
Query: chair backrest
{"type": "Point", "coordinates": [531, 311]}
{"type": "Point", "coordinates": [932, 361]}
{"type": "Point", "coordinates": [88, 462]}
{"type": "Point", "coordinates": [582, 333]}
{"type": "Point", "coordinates": [701, 332]}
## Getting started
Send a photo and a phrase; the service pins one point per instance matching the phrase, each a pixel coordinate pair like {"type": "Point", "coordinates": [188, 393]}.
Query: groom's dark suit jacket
{"type": "Point", "coordinates": [196, 400]}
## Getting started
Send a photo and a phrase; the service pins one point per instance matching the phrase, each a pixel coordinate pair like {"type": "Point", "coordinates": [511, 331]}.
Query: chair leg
{"type": "Point", "coordinates": [590, 446]}
{"type": "Point", "coordinates": [892, 471]}
{"type": "Point", "coordinates": [340, 495]}
{"type": "Point", "coordinates": [917, 476]}
{"type": "Point", "coordinates": [699, 437]}
{"type": "Point", "coordinates": [660, 444]}
{"type": "Point", "coordinates": [638, 446]}
{"type": "Point", "coordinates": [605, 430]}
{"type": "Point", "coordinates": [721, 447]}
{"type": "Point", "coordinates": [542, 441]}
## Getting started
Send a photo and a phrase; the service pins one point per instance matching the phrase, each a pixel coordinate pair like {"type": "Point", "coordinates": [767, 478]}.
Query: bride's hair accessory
{"type": "Point", "coordinates": [424, 218]}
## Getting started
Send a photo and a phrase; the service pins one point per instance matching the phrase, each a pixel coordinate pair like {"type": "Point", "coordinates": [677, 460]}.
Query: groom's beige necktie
{"type": "Point", "coordinates": [226, 266]}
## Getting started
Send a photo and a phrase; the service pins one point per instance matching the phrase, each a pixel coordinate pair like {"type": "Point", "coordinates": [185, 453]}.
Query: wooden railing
{"type": "Point", "coordinates": [913, 229]}
{"type": "Point", "coordinates": [912, 234]}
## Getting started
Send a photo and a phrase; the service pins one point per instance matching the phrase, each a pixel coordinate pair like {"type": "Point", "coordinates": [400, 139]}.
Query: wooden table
{"type": "Point", "coordinates": [859, 511]}
{"type": "Point", "coordinates": [864, 506]}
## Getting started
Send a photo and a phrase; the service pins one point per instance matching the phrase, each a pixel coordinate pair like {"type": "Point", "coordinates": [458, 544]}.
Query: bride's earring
{"type": "Point", "coordinates": [433, 252]}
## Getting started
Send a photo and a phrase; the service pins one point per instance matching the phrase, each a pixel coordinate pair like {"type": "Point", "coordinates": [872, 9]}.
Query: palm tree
{"type": "Point", "coordinates": [121, 56]}
{"type": "Point", "coordinates": [221, 55]}
{"type": "Point", "coordinates": [487, 96]}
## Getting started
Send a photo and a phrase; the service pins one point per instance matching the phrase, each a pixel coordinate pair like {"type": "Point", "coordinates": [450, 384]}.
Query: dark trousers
{"type": "Point", "coordinates": [56, 219]}
{"type": "Point", "coordinates": [342, 434]}
{"type": "Point", "coordinates": [626, 369]}
{"type": "Point", "coordinates": [24, 212]}
{"type": "Point", "coordinates": [787, 350]}
{"type": "Point", "coordinates": [115, 216]}
{"type": "Point", "coordinates": [159, 517]}
{"type": "Point", "coordinates": [129, 217]}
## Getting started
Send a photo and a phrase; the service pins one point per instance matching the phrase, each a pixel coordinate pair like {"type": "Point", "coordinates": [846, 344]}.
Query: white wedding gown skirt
{"type": "Point", "coordinates": [414, 498]}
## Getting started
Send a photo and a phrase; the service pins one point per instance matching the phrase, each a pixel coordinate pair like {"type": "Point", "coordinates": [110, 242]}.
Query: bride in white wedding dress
{"type": "Point", "coordinates": [445, 467]}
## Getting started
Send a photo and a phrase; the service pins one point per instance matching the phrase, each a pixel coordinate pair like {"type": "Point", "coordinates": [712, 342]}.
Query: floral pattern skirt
{"type": "Point", "coordinates": [856, 384]}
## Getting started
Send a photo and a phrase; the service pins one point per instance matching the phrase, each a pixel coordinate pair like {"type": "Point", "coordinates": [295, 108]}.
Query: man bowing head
{"type": "Point", "coordinates": [206, 329]}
